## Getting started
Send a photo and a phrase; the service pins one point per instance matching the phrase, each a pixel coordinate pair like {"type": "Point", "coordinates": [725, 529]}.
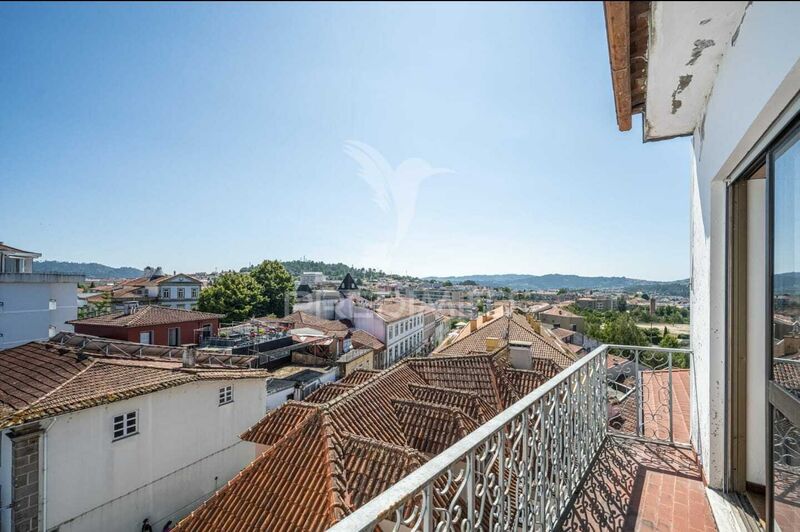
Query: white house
{"type": "Point", "coordinates": [33, 306]}
{"type": "Point", "coordinates": [398, 322]}
{"type": "Point", "coordinates": [100, 443]}
{"type": "Point", "coordinates": [727, 74]}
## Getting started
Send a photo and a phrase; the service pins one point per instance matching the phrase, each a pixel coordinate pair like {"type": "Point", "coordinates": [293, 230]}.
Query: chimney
{"type": "Point", "coordinates": [189, 358]}
{"type": "Point", "coordinates": [148, 271]}
{"type": "Point", "coordinates": [519, 355]}
{"type": "Point", "coordinates": [159, 272]}
{"type": "Point", "coordinates": [492, 343]}
{"type": "Point", "coordinates": [473, 325]}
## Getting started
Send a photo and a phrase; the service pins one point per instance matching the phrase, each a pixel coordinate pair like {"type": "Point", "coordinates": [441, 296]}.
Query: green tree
{"type": "Point", "coordinates": [622, 329]}
{"type": "Point", "coordinates": [277, 288]}
{"type": "Point", "coordinates": [481, 306]}
{"type": "Point", "coordinates": [670, 341]}
{"type": "Point", "coordinates": [447, 283]}
{"type": "Point", "coordinates": [622, 304]}
{"type": "Point", "coordinates": [237, 295]}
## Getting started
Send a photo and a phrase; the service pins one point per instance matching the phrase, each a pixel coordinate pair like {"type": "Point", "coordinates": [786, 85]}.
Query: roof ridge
{"type": "Point", "coordinates": [471, 395]}
{"type": "Point", "coordinates": [339, 500]}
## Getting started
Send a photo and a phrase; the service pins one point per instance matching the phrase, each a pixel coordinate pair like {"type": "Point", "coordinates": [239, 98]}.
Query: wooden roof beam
{"type": "Point", "coordinates": [618, 32]}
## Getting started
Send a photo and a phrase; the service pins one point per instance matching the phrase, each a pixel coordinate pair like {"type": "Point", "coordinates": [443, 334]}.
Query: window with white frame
{"type": "Point", "coordinates": [226, 395]}
{"type": "Point", "coordinates": [194, 293]}
{"type": "Point", "coordinates": [181, 293]}
{"type": "Point", "coordinates": [126, 424]}
{"type": "Point", "coordinates": [165, 293]}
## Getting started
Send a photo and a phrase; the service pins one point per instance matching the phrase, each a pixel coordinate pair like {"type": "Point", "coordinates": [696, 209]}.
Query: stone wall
{"type": "Point", "coordinates": [25, 476]}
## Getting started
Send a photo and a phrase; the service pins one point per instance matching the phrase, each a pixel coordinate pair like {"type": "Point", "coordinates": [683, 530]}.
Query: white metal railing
{"type": "Point", "coordinates": [520, 470]}
{"type": "Point", "coordinates": [517, 471]}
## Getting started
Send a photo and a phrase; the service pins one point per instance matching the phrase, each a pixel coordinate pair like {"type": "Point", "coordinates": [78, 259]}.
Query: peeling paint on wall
{"type": "Point", "coordinates": [683, 82]}
{"type": "Point", "coordinates": [697, 51]}
{"type": "Point", "coordinates": [739, 26]}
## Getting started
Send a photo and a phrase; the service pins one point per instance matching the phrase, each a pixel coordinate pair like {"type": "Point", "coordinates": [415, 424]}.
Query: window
{"type": "Point", "coordinates": [181, 293]}
{"type": "Point", "coordinates": [146, 337]}
{"type": "Point", "coordinates": [194, 293]}
{"type": "Point", "coordinates": [174, 336]}
{"type": "Point", "coordinates": [165, 293]}
{"type": "Point", "coordinates": [126, 425]}
{"type": "Point", "coordinates": [226, 395]}
{"type": "Point", "coordinates": [53, 304]}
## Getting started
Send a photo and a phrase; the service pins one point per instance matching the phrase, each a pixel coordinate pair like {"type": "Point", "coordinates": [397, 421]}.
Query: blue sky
{"type": "Point", "coordinates": [212, 136]}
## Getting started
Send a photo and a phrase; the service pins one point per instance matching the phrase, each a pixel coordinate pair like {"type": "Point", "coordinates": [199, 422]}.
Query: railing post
{"type": "Point", "coordinates": [669, 390]}
{"type": "Point", "coordinates": [427, 518]}
{"type": "Point", "coordinates": [470, 465]}
{"type": "Point", "coordinates": [501, 444]}
{"type": "Point", "coordinates": [639, 395]}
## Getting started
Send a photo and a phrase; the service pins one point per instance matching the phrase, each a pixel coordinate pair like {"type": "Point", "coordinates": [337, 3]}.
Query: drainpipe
{"type": "Point", "coordinates": [44, 473]}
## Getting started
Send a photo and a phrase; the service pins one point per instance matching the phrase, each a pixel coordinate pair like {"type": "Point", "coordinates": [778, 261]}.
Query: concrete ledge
{"type": "Point", "coordinates": [41, 278]}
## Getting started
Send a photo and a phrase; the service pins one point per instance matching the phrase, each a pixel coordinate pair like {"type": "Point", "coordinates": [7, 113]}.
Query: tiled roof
{"type": "Point", "coordinates": [562, 333]}
{"type": "Point", "coordinates": [362, 338]}
{"type": "Point", "coordinates": [397, 308]}
{"type": "Point", "coordinates": [546, 367]}
{"type": "Point", "coordinates": [279, 422]}
{"type": "Point", "coordinates": [360, 376]}
{"type": "Point", "coordinates": [360, 436]}
{"type": "Point", "coordinates": [787, 374]}
{"type": "Point", "coordinates": [371, 467]}
{"type": "Point", "coordinates": [560, 311]}
{"type": "Point", "coordinates": [507, 328]}
{"type": "Point", "coordinates": [468, 402]}
{"type": "Point", "coordinates": [302, 319]}
{"type": "Point", "coordinates": [525, 381]}
{"type": "Point", "coordinates": [39, 380]}
{"type": "Point", "coordinates": [328, 392]}
{"type": "Point", "coordinates": [147, 316]}
{"type": "Point", "coordinates": [431, 428]}
{"type": "Point", "coordinates": [297, 484]}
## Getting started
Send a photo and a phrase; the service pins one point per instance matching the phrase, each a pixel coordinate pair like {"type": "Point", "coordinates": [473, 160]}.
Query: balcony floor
{"type": "Point", "coordinates": [642, 486]}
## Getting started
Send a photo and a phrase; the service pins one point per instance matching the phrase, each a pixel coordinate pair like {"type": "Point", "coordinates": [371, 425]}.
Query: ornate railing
{"type": "Point", "coordinates": [521, 470]}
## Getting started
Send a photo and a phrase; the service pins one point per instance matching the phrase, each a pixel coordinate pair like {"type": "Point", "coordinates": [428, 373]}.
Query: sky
{"type": "Point", "coordinates": [422, 139]}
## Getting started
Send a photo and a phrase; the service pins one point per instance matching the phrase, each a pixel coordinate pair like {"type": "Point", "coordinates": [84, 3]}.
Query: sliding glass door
{"type": "Point", "coordinates": [783, 371]}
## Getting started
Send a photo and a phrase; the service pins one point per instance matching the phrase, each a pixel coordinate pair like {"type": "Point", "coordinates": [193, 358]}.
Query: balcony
{"type": "Point", "coordinates": [606, 444]}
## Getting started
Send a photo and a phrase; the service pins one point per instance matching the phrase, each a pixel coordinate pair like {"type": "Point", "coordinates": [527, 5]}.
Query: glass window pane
{"type": "Point", "coordinates": [786, 267]}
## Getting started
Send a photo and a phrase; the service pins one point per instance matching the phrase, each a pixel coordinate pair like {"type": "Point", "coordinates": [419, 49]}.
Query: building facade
{"type": "Point", "coordinates": [33, 306]}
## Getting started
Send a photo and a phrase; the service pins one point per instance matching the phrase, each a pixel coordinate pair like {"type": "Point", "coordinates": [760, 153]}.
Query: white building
{"type": "Point", "coordinates": [398, 322]}
{"type": "Point", "coordinates": [728, 75]}
{"type": "Point", "coordinates": [101, 443]}
{"type": "Point", "coordinates": [312, 278]}
{"type": "Point", "coordinates": [33, 306]}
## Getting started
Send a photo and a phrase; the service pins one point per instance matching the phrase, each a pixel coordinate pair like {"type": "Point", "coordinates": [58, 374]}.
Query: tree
{"type": "Point", "coordinates": [447, 283]}
{"type": "Point", "coordinates": [277, 288]}
{"type": "Point", "coordinates": [622, 304]}
{"type": "Point", "coordinates": [469, 282]}
{"type": "Point", "coordinates": [237, 295]}
{"type": "Point", "coordinates": [481, 306]}
{"type": "Point", "coordinates": [670, 341]}
{"type": "Point", "coordinates": [622, 329]}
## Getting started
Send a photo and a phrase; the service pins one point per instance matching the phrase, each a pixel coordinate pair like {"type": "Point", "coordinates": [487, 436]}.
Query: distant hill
{"type": "Point", "coordinates": [556, 281]}
{"type": "Point", "coordinates": [89, 269]}
{"type": "Point", "coordinates": [335, 270]}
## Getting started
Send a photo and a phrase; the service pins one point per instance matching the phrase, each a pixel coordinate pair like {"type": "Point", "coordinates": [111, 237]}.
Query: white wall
{"type": "Point", "coordinates": [756, 326]}
{"type": "Point", "coordinates": [757, 78]}
{"type": "Point", "coordinates": [187, 447]}
{"type": "Point", "coordinates": [366, 320]}
{"type": "Point", "coordinates": [25, 314]}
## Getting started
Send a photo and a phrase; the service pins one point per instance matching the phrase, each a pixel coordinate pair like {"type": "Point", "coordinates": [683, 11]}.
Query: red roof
{"type": "Point", "coordinates": [146, 316]}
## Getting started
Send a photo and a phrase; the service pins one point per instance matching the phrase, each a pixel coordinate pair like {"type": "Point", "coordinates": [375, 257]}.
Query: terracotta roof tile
{"type": "Point", "coordinates": [328, 392]}
{"type": "Point", "coordinates": [371, 467]}
{"type": "Point", "coordinates": [468, 402]}
{"type": "Point", "coordinates": [146, 316]}
{"type": "Point", "coordinates": [431, 428]}
{"type": "Point", "coordinates": [525, 381]}
{"type": "Point", "coordinates": [297, 484]}
{"type": "Point", "coordinates": [360, 376]}
{"type": "Point", "coordinates": [39, 380]}
{"type": "Point", "coordinates": [362, 338]}
{"type": "Point", "coordinates": [279, 422]}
